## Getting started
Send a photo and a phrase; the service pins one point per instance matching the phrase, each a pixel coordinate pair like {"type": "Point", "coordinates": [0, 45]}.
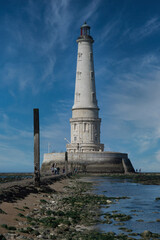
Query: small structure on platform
{"type": "Point", "coordinates": [86, 152]}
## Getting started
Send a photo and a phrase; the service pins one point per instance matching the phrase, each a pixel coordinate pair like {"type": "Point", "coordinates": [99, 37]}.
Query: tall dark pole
{"type": "Point", "coordinates": [36, 148]}
{"type": "Point", "coordinates": [66, 163]}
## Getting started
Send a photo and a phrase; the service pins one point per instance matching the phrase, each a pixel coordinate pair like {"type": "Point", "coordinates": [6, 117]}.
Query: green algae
{"type": "Point", "coordinates": [43, 201]}
{"type": "Point", "coordinates": [2, 212]}
{"type": "Point", "coordinates": [2, 237]}
{"type": "Point", "coordinates": [21, 215]}
{"type": "Point", "coordinates": [8, 227]}
{"type": "Point", "coordinates": [117, 216]}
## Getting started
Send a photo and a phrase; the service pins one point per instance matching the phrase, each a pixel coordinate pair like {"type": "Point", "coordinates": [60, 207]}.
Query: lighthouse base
{"type": "Point", "coordinates": [89, 162]}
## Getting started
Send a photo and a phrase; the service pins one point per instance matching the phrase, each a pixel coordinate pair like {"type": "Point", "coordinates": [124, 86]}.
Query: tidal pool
{"type": "Point", "coordinates": [142, 205]}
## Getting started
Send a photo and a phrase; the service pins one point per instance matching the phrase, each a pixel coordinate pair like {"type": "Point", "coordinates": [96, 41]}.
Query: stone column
{"type": "Point", "coordinates": [36, 148]}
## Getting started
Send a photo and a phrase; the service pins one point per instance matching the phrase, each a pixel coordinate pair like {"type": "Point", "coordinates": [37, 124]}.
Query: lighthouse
{"type": "Point", "coordinates": [85, 121]}
{"type": "Point", "coordinates": [85, 151]}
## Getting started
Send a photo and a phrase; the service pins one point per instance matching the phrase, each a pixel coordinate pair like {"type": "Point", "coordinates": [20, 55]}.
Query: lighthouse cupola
{"type": "Point", "coordinates": [85, 30]}
{"type": "Point", "coordinates": [85, 33]}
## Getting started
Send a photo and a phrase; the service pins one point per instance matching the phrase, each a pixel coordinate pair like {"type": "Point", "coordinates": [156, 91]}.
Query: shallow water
{"type": "Point", "coordinates": [10, 178]}
{"type": "Point", "coordinates": [141, 204]}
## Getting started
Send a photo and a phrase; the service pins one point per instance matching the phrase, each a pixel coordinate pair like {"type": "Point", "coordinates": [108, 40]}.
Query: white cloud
{"type": "Point", "coordinates": [19, 75]}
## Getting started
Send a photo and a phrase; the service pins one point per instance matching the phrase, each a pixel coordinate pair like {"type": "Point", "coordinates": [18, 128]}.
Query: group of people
{"type": "Point", "coordinates": [56, 170]}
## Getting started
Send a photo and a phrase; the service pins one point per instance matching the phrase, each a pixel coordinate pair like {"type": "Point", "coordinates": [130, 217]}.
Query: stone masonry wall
{"type": "Point", "coordinates": [98, 162]}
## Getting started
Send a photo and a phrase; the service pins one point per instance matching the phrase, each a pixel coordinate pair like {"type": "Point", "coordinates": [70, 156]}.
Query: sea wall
{"type": "Point", "coordinates": [93, 162]}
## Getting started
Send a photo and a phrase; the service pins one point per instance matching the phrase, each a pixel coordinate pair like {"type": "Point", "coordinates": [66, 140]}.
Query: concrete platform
{"type": "Point", "coordinates": [90, 162]}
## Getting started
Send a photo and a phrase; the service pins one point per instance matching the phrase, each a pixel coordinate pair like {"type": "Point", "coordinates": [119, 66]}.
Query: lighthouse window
{"type": "Point", "coordinates": [92, 75]}
{"type": "Point", "coordinates": [75, 126]}
{"type": "Point", "coordinates": [75, 138]}
{"type": "Point", "coordinates": [77, 97]}
{"type": "Point", "coordinates": [85, 31]}
{"type": "Point", "coordinates": [93, 97]}
{"type": "Point", "coordinates": [79, 75]}
{"type": "Point", "coordinates": [85, 127]}
{"type": "Point", "coordinates": [79, 56]}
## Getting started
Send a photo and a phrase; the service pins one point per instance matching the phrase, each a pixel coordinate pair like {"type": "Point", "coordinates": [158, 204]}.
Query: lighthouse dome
{"type": "Point", "coordinates": [85, 25]}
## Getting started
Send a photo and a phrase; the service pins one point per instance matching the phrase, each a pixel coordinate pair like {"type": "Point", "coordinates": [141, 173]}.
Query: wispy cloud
{"type": "Point", "coordinates": [58, 19]}
{"type": "Point", "coordinates": [133, 102]}
{"type": "Point", "coordinates": [19, 75]}
{"type": "Point", "coordinates": [57, 127]}
{"type": "Point", "coordinates": [16, 146]}
{"type": "Point", "coordinates": [109, 31]}
{"type": "Point", "coordinates": [126, 34]}
{"type": "Point", "coordinates": [21, 70]}
{"type": "Point", "coordinates": [16, 159]}
{"type": "Point", "coordinates": [149, 28]}
{"type": "Point", "coordinates": [54, 133]}
{"type": "Point", "coordinates": [89, 13]}
{"type": "Point", "coordinates": [158, 155]}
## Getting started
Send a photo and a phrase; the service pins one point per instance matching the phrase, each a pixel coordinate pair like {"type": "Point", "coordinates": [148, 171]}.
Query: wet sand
{"type": "Point", "coordinates": [12, 207]}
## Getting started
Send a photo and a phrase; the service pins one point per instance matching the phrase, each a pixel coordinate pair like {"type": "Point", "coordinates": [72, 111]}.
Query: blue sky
{"type": "Point", "coordinates": [38, 52]}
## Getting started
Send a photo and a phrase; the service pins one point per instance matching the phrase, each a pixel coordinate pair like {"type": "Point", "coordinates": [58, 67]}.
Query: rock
{"type": "Point", "coordinates": [70, 219]}
{"type": "Point", "coordinates": [119, 224]}
{"type": "Point", "coordinates": [146, 233]}
{"type": "Point", "coordinates": [39, 236]}
{"type": "Point", "coordinates": [109, 201]}
{"type": "Point", "coordinates": [111, 233]}
{"type": "Point", "coordinates": [140, 220]}
{"type": "Point", "coordinates": [134, 234]}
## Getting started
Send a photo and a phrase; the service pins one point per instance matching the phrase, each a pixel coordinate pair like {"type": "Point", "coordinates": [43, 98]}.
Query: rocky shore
{"type": "Point", "coordinates": [142, 178]}
{"type": "Point", "coordinates": [62, 208]}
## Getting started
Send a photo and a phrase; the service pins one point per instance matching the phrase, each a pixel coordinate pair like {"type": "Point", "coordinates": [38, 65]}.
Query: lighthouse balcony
{"type": "Point", "coordinates": [85, 147]}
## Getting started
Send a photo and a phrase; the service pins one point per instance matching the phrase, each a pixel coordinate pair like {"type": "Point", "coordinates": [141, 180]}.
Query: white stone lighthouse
{"type": "Point", "coordinates": [85, 152]}
{"type": "Point", "coordinates": [85, 122]}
